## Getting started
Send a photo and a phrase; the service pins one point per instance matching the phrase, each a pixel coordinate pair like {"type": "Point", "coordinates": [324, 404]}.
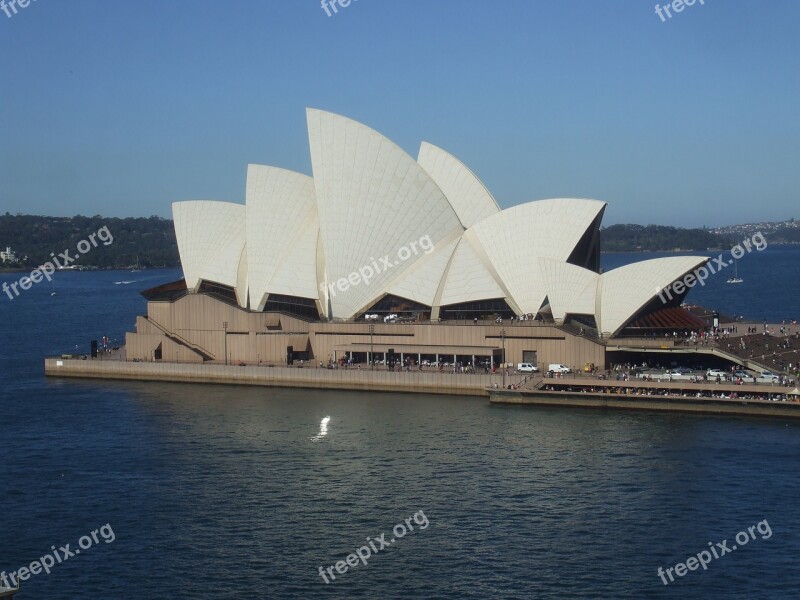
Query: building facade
{"type": "Point", "coordinates": [414, 254]}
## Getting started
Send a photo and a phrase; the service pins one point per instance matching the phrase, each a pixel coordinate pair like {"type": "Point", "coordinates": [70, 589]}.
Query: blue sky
{"type": "Point", "coordinates": [120, 108]}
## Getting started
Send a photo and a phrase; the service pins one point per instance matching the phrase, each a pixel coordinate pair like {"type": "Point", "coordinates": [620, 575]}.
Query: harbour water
{"type": "Point", "coordinates": [234, 492]}
{"type": "Point", "coordinates": [771, 288]}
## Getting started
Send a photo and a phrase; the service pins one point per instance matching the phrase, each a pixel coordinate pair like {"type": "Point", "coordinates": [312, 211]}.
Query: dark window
{"type": "Point", "coordinates": [225, 293]}
{"type": "Point", "coordinates": [658, 318]}
{"type": "Point", "coordinates": [481, 309]}
{"type": "Point", "coordinates": [587, 252]}
{"type": "Point", "coordinates": [300, 307]}
{"type": "Point", "coordinates": [169, 292]}
{"type": "Point", "coordinates": [585, 322]}
{"type": "Point", "coordinates": [402, 307]}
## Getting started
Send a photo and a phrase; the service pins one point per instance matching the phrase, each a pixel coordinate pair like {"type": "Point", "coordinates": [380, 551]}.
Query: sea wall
{"type": "Point", "coordinates": [764, 408]}
{"type": "Point", "coordinates": [309, 378]}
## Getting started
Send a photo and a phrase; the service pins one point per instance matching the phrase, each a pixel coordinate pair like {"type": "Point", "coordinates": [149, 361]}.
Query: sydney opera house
{"type": "Point", "coordinates": [380, 253]}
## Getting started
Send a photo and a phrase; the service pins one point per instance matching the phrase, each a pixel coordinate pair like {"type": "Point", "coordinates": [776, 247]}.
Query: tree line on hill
{"type": "Point", "coordinates": [147, 241]}
{"type": "Point", "coordinates": [150, 241]}
{"type": "Point", "coordinates": [660, 238]}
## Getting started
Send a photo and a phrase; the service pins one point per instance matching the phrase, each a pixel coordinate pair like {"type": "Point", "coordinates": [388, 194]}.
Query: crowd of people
{"type": "Point", "coordinates": [408, 364]}
{"type": "Point", "coordinates": [671, 393]}
{"type": "Point", "coordinates": [519, 319]}
{"type": "Point", "coordinates": [777, 347]}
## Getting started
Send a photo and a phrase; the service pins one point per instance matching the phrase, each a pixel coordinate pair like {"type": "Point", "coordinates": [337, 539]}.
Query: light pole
{"type": "Point", "coordinates": [371, 353]}
{"type": "Point", "coordinates": [503, 336]}
{"type": "Point", "coordinates": [225, 329]}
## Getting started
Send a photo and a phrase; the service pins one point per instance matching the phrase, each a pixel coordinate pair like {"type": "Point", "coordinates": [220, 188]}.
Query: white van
{"type": "Point", "coordinates": [527, 368]}
{"type": "Point", "coordinates": [559, 368]}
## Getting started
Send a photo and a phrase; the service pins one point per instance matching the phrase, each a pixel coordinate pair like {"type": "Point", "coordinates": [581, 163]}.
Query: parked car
{"type": "Point", "coordinates": [558, 368]}
{"type": "Point", "coordinates": [527, 368]}
{"type": "Point", "coordinates": [714, 373]}
{"type": "Point", "coordinates": [744, 376]}
{"type": "Point", "coordinates": [680, 374]}
{"type": "Point", "coordinates": [769, 377]}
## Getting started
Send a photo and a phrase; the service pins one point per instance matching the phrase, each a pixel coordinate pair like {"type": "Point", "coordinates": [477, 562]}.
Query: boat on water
{"type": "Point", "coordinates": [735, 278]}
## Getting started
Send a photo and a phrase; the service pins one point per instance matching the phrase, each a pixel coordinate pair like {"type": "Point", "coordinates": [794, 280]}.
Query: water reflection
{"type": "Point", "coordinates": [323, 430]}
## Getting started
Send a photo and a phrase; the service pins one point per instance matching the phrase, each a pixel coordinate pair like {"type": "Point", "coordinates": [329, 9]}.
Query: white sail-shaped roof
{"type": "Point", "coordinates": [471, 199]}
{"type": "Point", "coordinates": [468, 279]}
{"type": "Point", "coordinates": [296, 274]}
{"type": "Point", "coordinates": [516, 238]}
{"type": "Point", "coordinates": [211, 240]}
{"type": "Point", "coordinates": [571, 290]}
{"type": "Point", "coordinates": [421, 282]}
{"type": "Point", "coordinates": [625, 291]}
{"type": "Point", "coordinates": [369, 208]}
{"type": "Point", "coordinates": [282, 230]}
{"type": "Point", "coordinates": [373, 199]}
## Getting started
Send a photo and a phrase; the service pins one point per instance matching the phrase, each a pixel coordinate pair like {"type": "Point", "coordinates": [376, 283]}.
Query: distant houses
{"type": "Point", "coordinates": [8, 255]}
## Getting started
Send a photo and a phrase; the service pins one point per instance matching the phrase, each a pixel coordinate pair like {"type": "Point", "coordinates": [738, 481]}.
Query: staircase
{"type": "Point", "coordinates": [201, 352]}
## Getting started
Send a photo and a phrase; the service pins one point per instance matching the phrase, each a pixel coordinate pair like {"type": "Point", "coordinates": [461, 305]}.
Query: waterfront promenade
{"type": "Point", "coordinates": [7, 592]}
{"type": "Point", "coordinates": [765, 400]}
{"type": "Point", "coordinates": [573, 392]}
{"type": "Point", "coordinates": [414, 381]}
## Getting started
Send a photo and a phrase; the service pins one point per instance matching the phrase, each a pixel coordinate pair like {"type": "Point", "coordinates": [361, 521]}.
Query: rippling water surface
{"type": "Point", "coordinates": [234, 492]}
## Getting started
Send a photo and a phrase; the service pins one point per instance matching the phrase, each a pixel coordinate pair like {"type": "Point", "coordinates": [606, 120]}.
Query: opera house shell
{"type": "Point", "coordinates": [378, 255]}
{"type": "Point", "coordinates": [297, 242]}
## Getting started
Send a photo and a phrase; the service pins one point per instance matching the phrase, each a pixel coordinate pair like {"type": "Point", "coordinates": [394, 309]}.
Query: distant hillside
{"type": "Point", "coordinates": [777, 232]}
{"type": "Point", "coordinates": [150, 240]}
{"type": "Point", "coordinates": [655, 238]}
{"type": "Point", "coordinates": [659, 238]}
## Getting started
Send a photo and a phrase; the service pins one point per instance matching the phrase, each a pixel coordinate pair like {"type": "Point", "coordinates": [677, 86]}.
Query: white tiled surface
{"type": "Point", "coordinates": [516, 238]}
{"type": "Point", "coordinates": [471, 199]}
{"type": "Point", "coordinates": [570, 289]}
{"type": "Point", "coordinates": [211, 239]}
{"type": "Point", "coordinates": [624, 291]}
{"type": "Point", "coordinates": [372, 199]}
{"type": "Point", "coordinates": [282, 229]}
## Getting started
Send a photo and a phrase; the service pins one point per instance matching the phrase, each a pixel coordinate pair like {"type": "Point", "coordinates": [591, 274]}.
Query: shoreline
{"type": "Point", "coordinates": [417, 382]}
{"type": "Point", "coordinates": [601, 397]}
{"type": "Point", "coordinates": [422, 382]}
{"type": "Point", "coordinates": [707, 406]}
